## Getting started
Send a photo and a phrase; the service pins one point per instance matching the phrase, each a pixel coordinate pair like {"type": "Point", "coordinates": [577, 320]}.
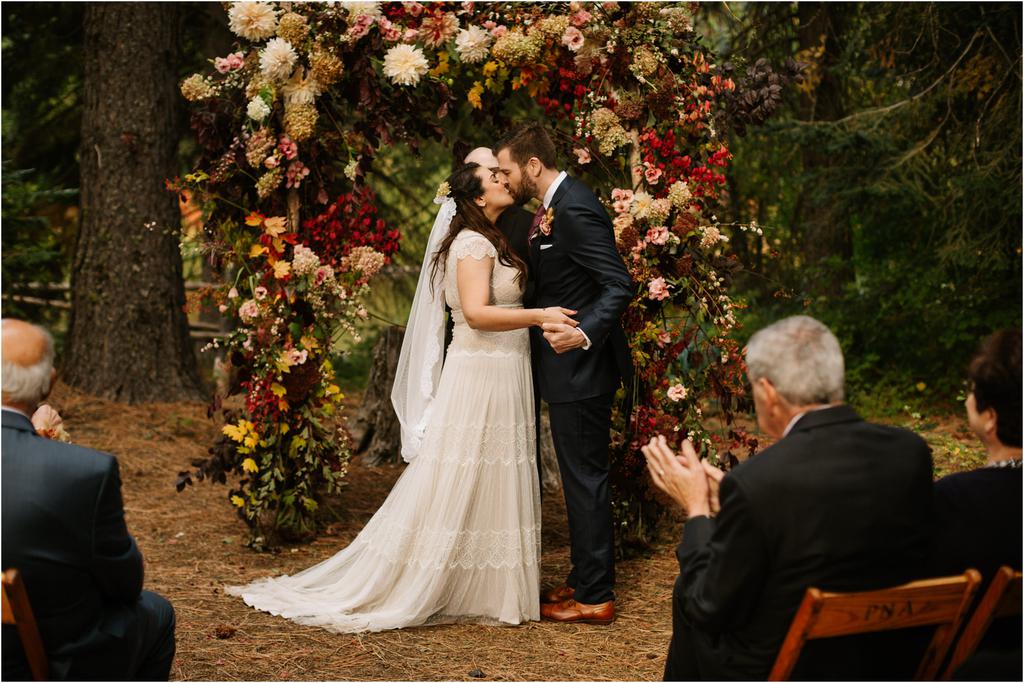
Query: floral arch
{"type": "Point", "coordinates": [290, 123]}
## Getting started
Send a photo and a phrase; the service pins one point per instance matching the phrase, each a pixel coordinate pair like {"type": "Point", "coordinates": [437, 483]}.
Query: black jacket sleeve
{"type": "Point", "coordinates": [116, 560]}
{"type": "Point", "coordinates": [722, 563]}
{"type": "Point", "coordinates": [593, 250]}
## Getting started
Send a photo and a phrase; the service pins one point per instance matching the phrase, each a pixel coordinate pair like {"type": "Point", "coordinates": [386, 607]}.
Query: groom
{"type": "Point", "coordinates": [574, 263]}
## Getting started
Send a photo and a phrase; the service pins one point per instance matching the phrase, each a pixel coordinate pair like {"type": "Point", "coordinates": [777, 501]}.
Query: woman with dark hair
{"type": "Point", "coordinates": [978, 513]}
{"type": "Point", "coordinates": [458, 538]}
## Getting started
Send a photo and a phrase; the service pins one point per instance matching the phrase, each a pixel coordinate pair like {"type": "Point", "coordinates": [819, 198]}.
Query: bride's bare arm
{"type": "Point", "coordinates": [474, 280]}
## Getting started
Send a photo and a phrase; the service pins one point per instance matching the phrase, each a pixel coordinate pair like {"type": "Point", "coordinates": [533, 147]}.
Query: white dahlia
{"type": "Point", "coordinates": [362, 9]}
{"type": "Point", "coordinates": [277, 59]}
{"type": "Point", "coordinates": [473, 44]}
{"type": "Point", "coordinates": [257, 109]}
{"type": "Point", "coordinates": [253, 20]}
{"type": "Point", "coordinates": [405, 65]}
{"type": "Point", "coordinates": [300, 89]}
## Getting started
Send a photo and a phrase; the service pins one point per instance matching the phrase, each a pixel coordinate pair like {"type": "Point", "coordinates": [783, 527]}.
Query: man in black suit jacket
{"type": "Point", "coordinates": [64, 530]}
{"type": "Point", "coordinates": [575, 264]}
{"type": "Point", "coordinates": [837, 503]}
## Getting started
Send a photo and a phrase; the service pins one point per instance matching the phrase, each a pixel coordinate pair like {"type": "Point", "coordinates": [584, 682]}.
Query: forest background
{"type": "Point", "coordinates": [888, 185]}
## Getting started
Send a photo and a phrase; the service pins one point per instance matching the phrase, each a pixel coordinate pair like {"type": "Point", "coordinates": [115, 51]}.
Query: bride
{"type": "Point", "coordinates": [458, 538]}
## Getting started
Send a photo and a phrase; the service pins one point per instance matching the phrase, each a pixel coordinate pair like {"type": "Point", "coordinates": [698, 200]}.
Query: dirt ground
{"type": "Point", "coordinates": [193, 546]}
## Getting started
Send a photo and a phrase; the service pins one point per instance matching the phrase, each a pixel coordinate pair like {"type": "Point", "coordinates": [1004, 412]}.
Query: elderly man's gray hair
{"type": "Point", "coordinates": [29, 385]}
{"type": "Point", "coordinates": [801, 358]}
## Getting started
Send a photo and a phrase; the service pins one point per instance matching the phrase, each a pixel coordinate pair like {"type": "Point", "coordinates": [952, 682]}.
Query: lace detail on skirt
{"type": "Point", "coordinates": [439, 549]}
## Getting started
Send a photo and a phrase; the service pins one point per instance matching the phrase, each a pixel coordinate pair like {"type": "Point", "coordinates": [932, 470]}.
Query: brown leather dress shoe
{"type": "Point", "coordinates": [558, 593]}
{"type": "Point", "coordinates": [572, 611]}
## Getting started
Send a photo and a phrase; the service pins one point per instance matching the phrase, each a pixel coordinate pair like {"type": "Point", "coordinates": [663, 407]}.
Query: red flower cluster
{"type": "Point", "coordinates": [665, 152]}
{"type": "Point", "coordinates": [350, 221]}
{"type": "Point", "coordinates": [260, 401]}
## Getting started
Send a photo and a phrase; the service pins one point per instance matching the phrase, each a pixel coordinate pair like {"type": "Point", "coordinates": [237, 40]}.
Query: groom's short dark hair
{"type": "Point", "coordinates": [528, 140]}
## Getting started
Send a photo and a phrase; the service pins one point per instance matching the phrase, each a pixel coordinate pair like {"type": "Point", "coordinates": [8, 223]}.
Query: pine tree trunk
{"type": "Point", "coordinates": [128, 337]}
{"type": "Point", "coordinates": [376, 430]}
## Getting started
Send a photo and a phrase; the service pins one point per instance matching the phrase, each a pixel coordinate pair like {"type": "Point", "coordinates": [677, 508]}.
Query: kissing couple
{"type": "Point", "coordinates": [458, 538]}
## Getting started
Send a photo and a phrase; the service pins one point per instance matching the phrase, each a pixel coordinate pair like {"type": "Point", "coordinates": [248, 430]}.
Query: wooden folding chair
{"type": "Point", "coordinates": [1002, 599]}
{"type": "Point", "coordinates": [932, 602]}
{"type": "Point", "coordinates": [17, 612]}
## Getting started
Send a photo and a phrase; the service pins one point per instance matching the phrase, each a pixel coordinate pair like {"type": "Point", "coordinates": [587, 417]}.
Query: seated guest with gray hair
{"type": "Point", "coordinates": [64, 530]}
{"type": "Point", "coordinates": [836, 503]}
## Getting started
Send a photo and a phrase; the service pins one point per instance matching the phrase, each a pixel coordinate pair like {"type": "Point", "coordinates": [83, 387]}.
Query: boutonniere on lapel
{"type": "Point", "coordinates": [547, 222]}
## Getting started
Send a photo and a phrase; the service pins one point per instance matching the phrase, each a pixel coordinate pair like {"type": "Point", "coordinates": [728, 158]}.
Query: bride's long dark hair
{"type": "Point", "coordinates": [464, 186]}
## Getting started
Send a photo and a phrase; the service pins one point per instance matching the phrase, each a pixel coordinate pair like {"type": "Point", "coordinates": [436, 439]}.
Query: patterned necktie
{"type": "Point", "coordinates": [537, 218]}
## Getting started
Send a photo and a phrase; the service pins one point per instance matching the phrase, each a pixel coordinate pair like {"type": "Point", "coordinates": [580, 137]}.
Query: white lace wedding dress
{"type": "Point", "coordinates": [458, 538]}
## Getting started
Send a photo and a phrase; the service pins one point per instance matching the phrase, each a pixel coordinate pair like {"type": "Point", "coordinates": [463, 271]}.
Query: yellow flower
{"type": "Point", "coordinates": [442, 65]}
{"type": "Point", "coordinates": [282, 269]}
{"type": "Point", "coordinates": [237, 501]}
{"type": "Point", "coordinates": [921, 386]}
{"type": "Point", "coordinates": [249, 465]}
{"type": "Point", "coordinates": [490, 68]}
{"type": "Point", "coordinates": [284, 428]}
{"type": "Point", "coordinates": [474, 95]}
{"type": "Point", "coordinates": [332, 389]}
{"type": "Point", "coordinates": [238, 432]}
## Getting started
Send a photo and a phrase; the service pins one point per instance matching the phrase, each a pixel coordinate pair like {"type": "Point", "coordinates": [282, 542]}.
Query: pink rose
{"type": "Point", "coordinates": [289, 149]}
{"type": "Point", "coordinates": [572, 38]}
{"type": "Point", "coordinates": [413, 8]}
{"type": "Point", "coordinates": [677, 392]}
{"type": "Point", "coordinates": [248, 311]}
{"type": "Point", "coordinates": [468, 6]}
{"type": "Point", "coordinates": [392, 33]}
{"type": "Point", "coordinates": [499, 31]}
{"type": "Point", "coordinates": [260, 293]}
{"type": "Point", "coordinates": [652, 173]}
{"type": "Point", "coordinates": [361, 27]}
{"type": "Point", "coordinates": [622, 200]}
{"type": "Point", "coordinates": [658, 289]}
{"type": "Point", "coordinates": [233, 62]}
{"type": "Point", "coordinates": [321, 274]}
{"type": "Point", "coordinates": [296, 357]}
{"type": "Point", "coordinates": [410, 35]}
{"type": "Point", "coordinates": [658, 235]}
{"type": "Point", "coordinates": [223, 308]}
{"type": "Point", "coordinates": [664, 338]}
{"type": "Point", "coordinates": [581, 17]}
{"type": "Point", "coordinates": [489, 24]}
{"type": "Point", "coordinates": [582, 155]}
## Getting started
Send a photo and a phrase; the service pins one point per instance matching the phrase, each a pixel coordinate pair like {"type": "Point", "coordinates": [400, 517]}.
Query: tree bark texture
{"type": "Point", "coordinates": [376, 430]}
{"type": "Point", "coordinates": [128, 337]}
{"type": "Point", "coordinates": [825, 233]}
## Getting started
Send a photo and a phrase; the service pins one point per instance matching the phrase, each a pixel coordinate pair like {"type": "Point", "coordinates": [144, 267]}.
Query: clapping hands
{"type": "Point", "coordinates": [690, 482]}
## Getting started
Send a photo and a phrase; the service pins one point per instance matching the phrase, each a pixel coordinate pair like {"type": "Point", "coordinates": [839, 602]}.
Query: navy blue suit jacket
{"type": "Point", "coordinates": [64, 530]}
{"type": "Point", "coordinates": [579, 267]}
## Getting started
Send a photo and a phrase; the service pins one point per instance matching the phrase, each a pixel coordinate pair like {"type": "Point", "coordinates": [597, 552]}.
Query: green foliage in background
{"type": "Point", "coordinates": [890, 188]}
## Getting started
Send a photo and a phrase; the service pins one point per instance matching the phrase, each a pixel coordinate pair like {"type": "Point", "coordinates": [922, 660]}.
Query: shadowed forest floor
{"type": "Point", "coordinates": [193, 546]}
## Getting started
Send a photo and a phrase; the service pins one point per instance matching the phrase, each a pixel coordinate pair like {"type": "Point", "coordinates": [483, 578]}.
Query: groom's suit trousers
{"type": "Point", "coordinates": [580, 431]}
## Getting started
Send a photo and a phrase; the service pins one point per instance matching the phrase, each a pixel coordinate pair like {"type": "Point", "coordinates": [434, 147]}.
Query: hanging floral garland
{"type": "Point", "coordinates": [295, 116]}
